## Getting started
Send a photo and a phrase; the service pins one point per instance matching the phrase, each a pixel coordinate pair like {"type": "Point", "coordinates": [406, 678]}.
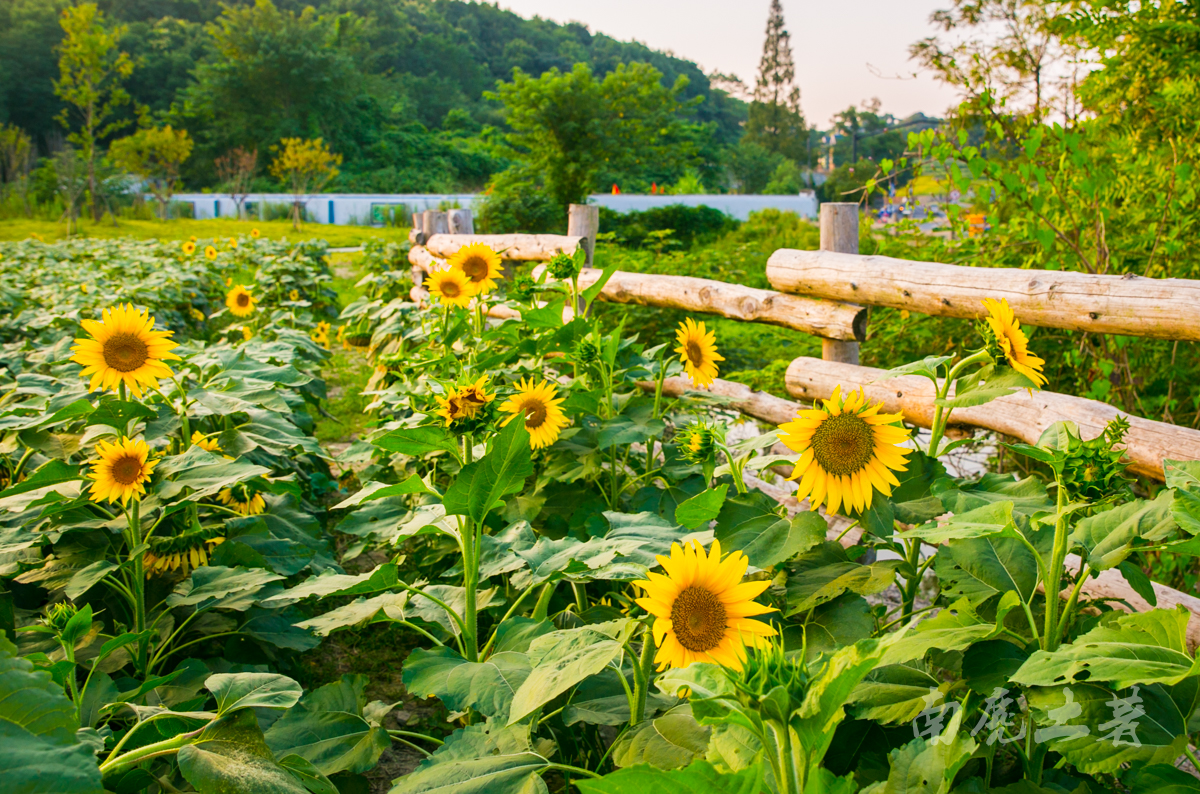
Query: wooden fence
{"type": "Point", "coordinates": [825, 292]}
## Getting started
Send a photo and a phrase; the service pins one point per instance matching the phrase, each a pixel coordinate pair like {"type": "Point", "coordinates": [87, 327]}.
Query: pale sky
{"type": "Point", "coordinates": [846, 51]}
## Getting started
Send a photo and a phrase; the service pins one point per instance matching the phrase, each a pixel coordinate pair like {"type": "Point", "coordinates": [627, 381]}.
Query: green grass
{"type": "Point", "coordinates": [347, 373]}
{"type": "Point", "coordinates": [336, 236]}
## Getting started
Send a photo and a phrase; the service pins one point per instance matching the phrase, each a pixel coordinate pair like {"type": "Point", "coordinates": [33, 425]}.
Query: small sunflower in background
{"type": "Point", "coordinates": [451, 287]}
{"type": "Point", "coordinates": [1013, 342]}
{"type": "Point", "coordinates": [189, 248]}
{"type": "Point", "coordinates": [124, 348]}
{"type": "Point", "coordinates": [183, 553]}
{"type": "Point", "coordinates": [294, 295]}
{"type": "Point", "coordinates": [233, 243]}
{"type": "Point", "coordinates": [243, 499]}
{"type": "Point", "coordinates": [192, 238]}
{"type": "Point", "coordinates": [848, 450]}
{"type": "Point", "coordinates": [464, 403]}
{"type": "Point", "coordinates": [702, 609]}
{"type": "Point", "coordinates": [122, 471]}
{"type": "Point", "coordinates": [480, 264]}
{"type": "Point", "coordinates": [698, 441]}
{"type": "Point", "coordinates": [240, 302]}
{"type": "Point", "coordinates": [698, 352]}
{"type": "Point", "coordinates": [210, 252]}
{"type": "Point", "coordinates": [206, 443]}
{"type": "Point", "coordinates": [255, 233]}
{"type": "Point", "coordinates": [83, 288]}
{"type": "Point", "coordinates": [246, 333]}
{"type": "Point", "coordinates": [538, 403]}
{"type": "Point", "coordinates": [197, 315]}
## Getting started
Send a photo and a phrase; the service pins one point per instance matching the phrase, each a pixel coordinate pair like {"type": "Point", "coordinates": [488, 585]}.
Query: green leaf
{"type": "Point", "coordinates": [562, 659]}
{"type": "Point", "coordinates": [116, 414]}
{"type": "Point", "coordinates": [1028, 496]}
{"type": "Point", "coordinates": [329, 583]}
{"type": "Point", "coordinates": [327, 728]}
{"type": "Point", "coordinates": [31, 701]}
{"type": "Point", "coordinates": [1184, 477]}
{"type": "Point", "coordinates": [1143, 648]}
{"type": "Point", "coordinates": [1160, 779]}
{"type": "Point", "coordinates": [1005, 382]}
{"type": "Point", "coordinates": [978, 523]}
{"type": "Point", "coordinates": [308, 774]}
{"type": "Point", "coordinates": [652, 534]}
{"type": "Point", "coordinates": [1108, 537]}
{"type": "Point", "coordinates": [926, 367]}
{"type": "Point", "coordinates": [482, 485]}
{"type": "Point", "coordinates": [198, 474]}
{"type": "Point", "coordinates": [825, 572]}
{"type": "Point", "coordinates": [37, 764]}
{"type": "Point", "coordinates": [362, 611]}
{"type": "Point", "coordinates": [218, 587]}
{"type": "Point", "coordinates": [1084, 722]}
{"type": "Point", "coordinates": [417, 441]}
{"type": "Point", "coordinates": [750, 523]}
{"type": "Point", "coordinates": [1137, 579]}
{"type": "Point", "coordinates": [926, 767]}
{"type": "Point", "coordinates": [258, 690]}
{"type": "Point", "coordinates": [843, 621]}
{"type": "Point", "coordinates": [700, 777]}
{"type": "Point", "coordinates": [701, 508]}
{"type": "Point", "coordinates": [488, 686]}
{"type": "Point", "coordinates": [953, 629]}
{"type": "Point", "coordinates": [990, 664]}
{"type": "Point", "coordinates": [48, 474]}
{"type": "Point", "coordinates": [893, 693]}
{"type": "Point", "coordinates": [85, 578]}
{"type": "Point", "coordinates": [572, 558]}
{"type": "Point", "coordinates": [669, 741]}
{"type": "Point", "coordinates": [480, 759]}
{"type": "Point", "coordinates": [231, 755]}
{"type": "Point", "coordinates": [980, 568]}
{"type": "Point", "coordinates": [378, 490]}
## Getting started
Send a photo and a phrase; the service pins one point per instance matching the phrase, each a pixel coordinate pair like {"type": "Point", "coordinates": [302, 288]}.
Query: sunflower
{"type": "Point", "coordinates": [189, 248]}
{"type": "Point", "coordinates": [197, 315]}
{"type": "Point", "coordinates": [701, 607]}
{"type": "Point", "coordinates": [233, 243]}
{"type": "Point", "coordinates": [544, 418]}
{"type": "Point", "coordinates": [124, 348]}
{"type": "Point", "coordinates": [205, 443]}
{"type": "Point", "coordinates": [229, 281]}
{"type": "Point", "coordinates": [210, 252]}
{"type": "Point", "coordinates": [181, 553]}
{"type": "Point", "coordinates": [698, 352]}
{"type": "Point", "coordinates": [192, 238]}
{"type": "Point", "coordinates": [240, 302]}
{"type": "Point", "coordinates": [450, 287]}
{"type": "Point", "coordinates": [122, 471]}
{"type": "Point", "coordinates": [255, 233]}
{"type": "Point", "coordinates": [294, 295]}
{"type": "Point", "coordinates": [83, 288]}
{"type": "Point", "coordinates": [246, 334]}
{"type": "Point", "coordinates": [479, 263]}
{"type": "Point", "coordinates": [245, 501]}
{"type": "Point", "coordinates": [847, 451]}
{"type": "Point", "coordinates": [1012, 340]}
{"type": "Point", "coordinates": [464, 403]}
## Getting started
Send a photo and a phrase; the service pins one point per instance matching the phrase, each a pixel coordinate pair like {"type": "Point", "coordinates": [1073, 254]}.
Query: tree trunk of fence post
{"type": "Point", "coordinates": [461, 222]}
{"type": "Point", "coordinates": [583, 220]}
{"type": "Point", "coordinates": [839, 232]}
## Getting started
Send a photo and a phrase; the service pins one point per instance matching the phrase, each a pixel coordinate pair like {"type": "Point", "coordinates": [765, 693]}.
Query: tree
{"type": "Point", "coordinates": [91, 70]}
{"type": "Point", "coordinates": [752, 165]}
{"type": "Point", "coordinates": [70, 180]}
{"type": "Point", "coordinates": [775, 119]}
{"type": "Point", "coordinates": [16, 161]}
{"type": "Point", "coordinates": [155, 154]}
{"type": "Point", "coordinates": [236, 169]}
{"type": "Point", "coordinates": [571, 127]}
{"type": "Point", "coordinates": [306, 166]}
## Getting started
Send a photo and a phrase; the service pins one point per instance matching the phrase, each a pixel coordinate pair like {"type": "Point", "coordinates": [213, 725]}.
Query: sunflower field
{"type": "Point", "coordinates": [600, 587]}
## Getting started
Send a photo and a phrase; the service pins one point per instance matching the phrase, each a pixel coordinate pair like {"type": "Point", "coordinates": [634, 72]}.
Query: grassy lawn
{"type": "Point", "coordinates": [336, 236]}
{"type": "Point", "coordinates": [347, 373]}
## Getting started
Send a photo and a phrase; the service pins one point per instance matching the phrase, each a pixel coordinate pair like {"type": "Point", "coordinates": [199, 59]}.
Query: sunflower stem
{"type": "Point", "coordinates": [139, 580]}
{"type": "Point", "coordinates": [941, 414]}
{"type": "Point", "coordinates": [642, 681]}
{"type": "Point", "coordinates": [1057, 559]}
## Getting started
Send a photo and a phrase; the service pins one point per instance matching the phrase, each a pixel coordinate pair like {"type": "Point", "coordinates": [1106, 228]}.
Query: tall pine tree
{"type": "Point", "coordinates": [775, 120]}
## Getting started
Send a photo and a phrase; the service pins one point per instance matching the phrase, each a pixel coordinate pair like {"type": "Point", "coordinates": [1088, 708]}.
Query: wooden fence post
{"type": "Point", "coordinates": [461, 222]}
{"type": "Point", "coordinates": [839, 232]}
{"type": "Point", "coordinates": [583, 220]}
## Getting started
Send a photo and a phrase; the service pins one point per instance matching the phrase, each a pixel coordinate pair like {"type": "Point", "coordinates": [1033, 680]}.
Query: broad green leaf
{"type": "Point", "coordinates": [259, 690]}
{"type": "Point", "coordinates": [1184, 477]}
{"type": "Point", "coordinates": [701, 508]}
{"type": "Point", "coordinates": [1028, 496]}
{"type": "Point", "coordinates": [926, 767]}
{"type": "Point", "coordinates": [329, 583]}
{"type": "Point", "coordinates": [562, 659]}
{"type": "Point", "coordinates": [825, 572]}
{"type": "Point", "coordinates": [980, 568]}
{"type": "Point", "coordinates": [990, 664]}
{"type": "Point", "coordinates": [116, 414]}
{"type": "Point", "coordinates": [218, 587]}
{"type": "Point", "coordinates": [417, 441]}
{"type": "Point", "coordinates": [652, 534]}
{"type": "Point", "coordinates": [378, 490]}
{"type": "Point", "coordinates": [926, 367]}
{"type": "Point", "coordinates": [308, 774]}
{"type": "Point", "coordinates": [1137, 579]}
{"type": "Point", "coordinates": [327, 728]}
{"type": "Point", "coordinates": [978, 523]}
{"type": "Point", "coordinates": [700, 777]}
{"type": "Point", "coordinates": [1160, 779]}
{"type": "Point", "coordinates": [483, 484]}
{"type": "Point", "coordinates": [231, 755]}
{"type": "Point", "coordinates": [669, 741]}
{"type": "Point", "coordinates": [843, 621]}
{"type": "Point", "coordinates": [85, 578]}
{"type": "Point", "coordinates": [480, 759]}
{"type": "Point", "coordinates": [197, 474]}
{"type": "Point", "coordinates": [602, 700]}
{"type": "Point", "coordinates": [387, 606]}
{"type": "Point", "coordinates": [953, 629]}
{"type": "Point", "coordinates": [751, 523]}
{"type": "Point", "coordinates": [571, 558]}
{"type": "Point", "coordinates": [47, 475]}
{"type": "Point", "coordinates": [36, 764]}
{"type": "Point", "coordinates": [1108, 537]}
{"type": "Point", "coordinates": [30, 700]}
{"type": "Point", "coordinates": [1142, 648]}
{"type": "Point", "coordinates": [1004, 382]}
{"type": "Point", "coordinates": [1080, 722]}
{"type": "Point", "coordinates": [487, 686]}
{"type": "Point", "coordinates": [893, 693]}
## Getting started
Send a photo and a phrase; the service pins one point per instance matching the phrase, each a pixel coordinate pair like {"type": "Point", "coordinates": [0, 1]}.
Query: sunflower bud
{"type": "Point", "coordinates": [1094, 471]}
{"type": "Point", "coordinates": [698, 442]}
{"type": "Point", "coordinates": [770, 681]}
{"type": "Point", "coordinates": [587, 350]}
{"type": "Point", "coordinates": [564, 266]}
{"type": "Point", "coordinates": [59, 615]}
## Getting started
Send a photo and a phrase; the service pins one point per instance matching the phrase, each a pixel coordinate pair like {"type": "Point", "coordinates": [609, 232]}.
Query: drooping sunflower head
{"type": "Point", "coordinates": [255, 233]}
{"type": "Point", "coordinates": [123, 347]}
{"type": "Point", "coordinates": [189, 248]}
{"type": "Point", "coordinates": [702, 609]}
{"type": "Point", "coordinates": [243, 498]}
{"type": "Point", "coordinates": [183, 552]}
{"type": "Point", "coordinates": [451, 287]}
{"type": "Point", "coordinates": [848, 450]}
{"type": "Point", "coordinates": [698, 441]}
{"type": "Point", "coordinates": [205, 443]}
{"type": "Point", "coordinates": [465, 403]}
{"type": "Point", "coordinates": [294, 295]}
{"type": "Point", "coordinates": [246, 333]}
{"type": "Point", "coordinates": [480, 264]}
{"type": "Point", "coordinates": [233, 243]}
{"type": "Point", "coordinates": [210, 252]}
{"type": "Point", "coordinates": [197, 315]}
{"type": "Point", "coordinates": [1005, 330]}
{"type": "Point", "coordinates": [240, 302]}
{"type": "Point", "coordinates": [122, 471]}
{"type": "Point", "coordinates": [538, 403]}
{"type": "Point", "coordinates": [698, 352]}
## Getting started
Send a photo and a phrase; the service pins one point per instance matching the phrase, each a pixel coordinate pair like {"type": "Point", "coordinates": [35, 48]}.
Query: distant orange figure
{"type": "Point", "coordinates": [653, 188]}
{"type": "Point", "coordinates": [616, 190]}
